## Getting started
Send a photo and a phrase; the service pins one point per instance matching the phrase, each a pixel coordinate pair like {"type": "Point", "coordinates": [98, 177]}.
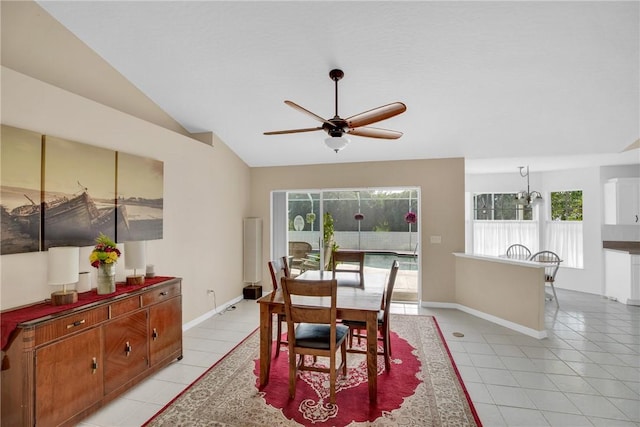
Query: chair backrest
{"type": "Point", "coordinates": [285, 264]}
{"type": "Point", "coordinates": [388, 292]}
{"type": "Point", "coordinates": [313, 308]}
{"type": "Point", "coordinates": [518, 251]}
{"type": "Point", "coordinates": [278, 269]}
{"type": "Point", "coordinates": [347, 260]}
{"type": "Point", "coordinates": [299, 249]}
{"type": "Point", "coordinates": [552, 261]}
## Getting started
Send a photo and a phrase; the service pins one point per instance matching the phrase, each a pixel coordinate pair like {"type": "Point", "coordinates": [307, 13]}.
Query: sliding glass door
{"type": "Point", "coordinates": [382, 222]}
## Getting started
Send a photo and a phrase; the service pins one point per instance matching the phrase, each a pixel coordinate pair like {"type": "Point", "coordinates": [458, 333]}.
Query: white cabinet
{"type": "Point", "coordinates": [622, 201]}
{"type": "Point", "coordinates": [622, 276]}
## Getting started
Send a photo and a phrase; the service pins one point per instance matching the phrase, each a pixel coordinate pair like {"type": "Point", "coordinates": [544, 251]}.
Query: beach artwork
{"type": "Point", "coordinates": [20, 175]}
{"type": "Point", "coordinates": [140, 197]}
{"type": "Point", "coordinates": [79, 193]}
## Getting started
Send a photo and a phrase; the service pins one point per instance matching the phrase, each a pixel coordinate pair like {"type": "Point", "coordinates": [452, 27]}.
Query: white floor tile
{"type": "Point", "coordinates": [586, 373]}
{"type": "Point", "coordinates": [519, 417]}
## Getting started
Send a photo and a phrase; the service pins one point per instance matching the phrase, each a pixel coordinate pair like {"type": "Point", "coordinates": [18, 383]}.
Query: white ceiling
{"type": "Point", "coordinates": [500, 83]}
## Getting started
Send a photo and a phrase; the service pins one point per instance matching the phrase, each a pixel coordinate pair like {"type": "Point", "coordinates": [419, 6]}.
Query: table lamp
{"type": "Point", "coordinates": [134, 259]}
{"type": "Point", "coordinates": [62, 269]}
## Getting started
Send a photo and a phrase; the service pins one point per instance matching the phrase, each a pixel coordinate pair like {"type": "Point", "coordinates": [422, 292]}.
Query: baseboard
{"type": "Point", "coordinates": [211, 313]}
{"type": "Point", "coordinates": [489, 317]}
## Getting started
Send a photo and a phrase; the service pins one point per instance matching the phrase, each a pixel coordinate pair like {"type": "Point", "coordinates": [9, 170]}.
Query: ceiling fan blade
{"type": "Point", "coordinates": [376, 115]}
{"type": "Point", "coordinates": [307, 112]}
{"type": "Point", "coordinates": [282, 132]}
{"type": "Point", "coordinates": [375, 133]}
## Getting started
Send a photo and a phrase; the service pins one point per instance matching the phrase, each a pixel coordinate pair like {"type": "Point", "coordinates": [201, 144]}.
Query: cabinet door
{"type": "Point", "coordinates": [126, 353]}
{"type": "Point", "coordinates": [68, 377]}
{"type": "Point", "coordinates": [165, 329]}
{"type": "Point", "coordinates": [628, 199]}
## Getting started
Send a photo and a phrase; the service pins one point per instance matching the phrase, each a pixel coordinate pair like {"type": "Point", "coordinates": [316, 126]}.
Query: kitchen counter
{"type": "Point", "coordinates": [632, 247]}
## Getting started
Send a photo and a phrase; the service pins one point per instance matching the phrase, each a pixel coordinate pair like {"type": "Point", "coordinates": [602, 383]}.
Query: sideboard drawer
{"type": "Point", "coordinates": [70, 324]}
{"type": "Point", "coordinates": [125, 306]}
{"type": "Point", "coordinates": [161, 294]}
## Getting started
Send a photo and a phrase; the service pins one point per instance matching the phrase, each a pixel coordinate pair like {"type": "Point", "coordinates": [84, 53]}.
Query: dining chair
{"type": "Point", "coordinates": [317, 333]}
{"type": "Point", "coordinates": [279, 269]}
{"type": "Point", "coordinates": [383, 321]}
{"type": "Point", "coordinates": [552, 261]}
{"type": "Point", "coordinates": [348, 262]}
{"type": "Point", "coordinates": [518, 251]}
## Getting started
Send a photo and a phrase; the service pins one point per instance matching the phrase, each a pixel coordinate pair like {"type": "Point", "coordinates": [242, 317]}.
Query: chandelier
{"type": "Point", "coordinates": [526, 198]}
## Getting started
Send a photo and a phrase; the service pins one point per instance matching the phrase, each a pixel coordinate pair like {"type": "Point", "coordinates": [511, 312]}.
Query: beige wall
{"type": "Point", "coordinates": [206, 195]}
{"type": "Point", "coordinates": [441, 211]}
{"type": "Point", "coordinates": [508, 290]}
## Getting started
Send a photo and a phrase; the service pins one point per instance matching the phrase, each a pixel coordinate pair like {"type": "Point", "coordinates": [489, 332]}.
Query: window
{"type": "Point", "coordinates": [500, 207]}
{"type": "Point", "coordinates": [566, 205]}
{"type": "Point", "coordinates": [563, 233]}
{"type": "Point", "coordinates": [499, 222]}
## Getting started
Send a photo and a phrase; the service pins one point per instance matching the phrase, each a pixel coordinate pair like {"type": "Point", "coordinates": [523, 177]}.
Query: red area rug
{"type": "Point", "coordinates": [422, 388]}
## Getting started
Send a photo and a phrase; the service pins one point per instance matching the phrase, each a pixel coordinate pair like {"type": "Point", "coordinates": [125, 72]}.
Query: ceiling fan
{"type": "Point", "coordinates": [336, 127]}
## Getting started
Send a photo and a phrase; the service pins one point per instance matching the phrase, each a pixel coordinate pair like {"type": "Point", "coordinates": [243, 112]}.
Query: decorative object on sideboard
{"type": "Point", "coordinates": [528, 197]}
{"type": "Point", "coordinates": [104, 256]}
{"type": "Point", "coordinates": [84, 282]}
{"type": "Point", "coordinates": [150, 271]}
{"type": "Point", "coordinates": [135, 259]}
{"type": "Point", "coordinates": [62, 269]}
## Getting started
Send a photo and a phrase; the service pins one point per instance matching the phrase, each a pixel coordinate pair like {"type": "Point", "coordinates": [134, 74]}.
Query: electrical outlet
{"type": "Point", "coordinates": [436, 239]}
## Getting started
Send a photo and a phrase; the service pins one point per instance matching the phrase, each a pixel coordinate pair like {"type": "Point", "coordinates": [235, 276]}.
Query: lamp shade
{"type": "Point", "coordinates": [135, 255]}
{"type": "Point", "coordinates": [63, 265]}
{"type": "Point", "coordinates": [336, 143]}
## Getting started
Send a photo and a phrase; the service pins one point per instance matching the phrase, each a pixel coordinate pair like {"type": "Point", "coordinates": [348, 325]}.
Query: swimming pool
{"type": "Point", "coordinates": [385, 259]}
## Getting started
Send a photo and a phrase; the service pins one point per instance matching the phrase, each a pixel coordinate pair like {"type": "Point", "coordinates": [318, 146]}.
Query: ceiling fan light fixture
{"type": "Point", "coordinates": [336, 143]}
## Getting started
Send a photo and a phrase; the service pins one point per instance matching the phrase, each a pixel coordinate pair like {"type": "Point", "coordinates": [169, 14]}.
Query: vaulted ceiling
{"type": "Point", "coordinates": [499, 83]}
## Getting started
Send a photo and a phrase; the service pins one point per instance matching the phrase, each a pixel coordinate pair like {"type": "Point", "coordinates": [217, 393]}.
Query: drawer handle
{"type": "Point", "coordinates": [94, 365]}
{"type": "Point", "coordinates": [127, 348]}
{"type": "Point", "coordinates": [164, 293]}
{"type": "Point", "coordinates": [76, 323]}
{"type": "Point", "coordinates": [154, 335]}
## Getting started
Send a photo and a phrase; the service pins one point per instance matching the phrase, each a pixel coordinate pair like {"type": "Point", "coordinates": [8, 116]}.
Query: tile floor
{"type": "Point", "coordinates": [587, 373]}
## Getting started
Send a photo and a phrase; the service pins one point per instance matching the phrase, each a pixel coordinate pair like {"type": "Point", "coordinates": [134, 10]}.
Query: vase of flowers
{"type": "Point", "coordinates": [104, 256]}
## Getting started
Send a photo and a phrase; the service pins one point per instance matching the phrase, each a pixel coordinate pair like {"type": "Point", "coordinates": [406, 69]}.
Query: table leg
{"type": "Point", "coordinates": [266, 333]}
{"type": "Point", "coordinates": [372, 355]}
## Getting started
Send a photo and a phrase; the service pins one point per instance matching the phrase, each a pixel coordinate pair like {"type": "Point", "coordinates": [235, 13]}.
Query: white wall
{"type": "Point", "coordinates": [206, 195]}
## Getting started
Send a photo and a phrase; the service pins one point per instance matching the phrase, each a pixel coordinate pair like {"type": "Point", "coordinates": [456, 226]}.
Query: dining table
{"type": "Point", "coordinates": [353, 303]}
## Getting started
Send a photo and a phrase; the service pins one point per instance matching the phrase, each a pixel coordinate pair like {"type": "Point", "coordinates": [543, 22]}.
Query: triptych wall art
{"type": "Point", "coordinates": [56, 192]}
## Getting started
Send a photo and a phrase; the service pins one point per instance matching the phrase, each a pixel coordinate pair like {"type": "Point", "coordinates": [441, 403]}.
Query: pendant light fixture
{"type": "Point", "coordinates": [526, 198]}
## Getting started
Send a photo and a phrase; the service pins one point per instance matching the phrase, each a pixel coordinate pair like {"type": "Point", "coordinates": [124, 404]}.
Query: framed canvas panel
{"type": "Point", "coordinates": [140, 186]}
{"type": "Point", "coordinates": [79, 193]}
{"type": "Point", "coordinates": [20, 185]}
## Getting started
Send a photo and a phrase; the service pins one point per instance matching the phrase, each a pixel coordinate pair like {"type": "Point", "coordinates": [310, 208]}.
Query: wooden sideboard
{"type": "Point", "coordinates": [59, 368]}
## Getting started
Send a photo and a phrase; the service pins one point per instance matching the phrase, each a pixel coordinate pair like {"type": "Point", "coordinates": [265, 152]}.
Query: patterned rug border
{"type": "Point", "coordinates": [222, 360]}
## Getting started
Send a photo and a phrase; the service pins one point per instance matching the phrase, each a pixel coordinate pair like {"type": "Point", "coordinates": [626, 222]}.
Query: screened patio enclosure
{"type": "Point", "coordinates": [382, 222]}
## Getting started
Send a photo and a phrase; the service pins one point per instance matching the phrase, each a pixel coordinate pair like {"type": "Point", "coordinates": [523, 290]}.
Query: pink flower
{"type": "Point", "coordinates": [410, 218]}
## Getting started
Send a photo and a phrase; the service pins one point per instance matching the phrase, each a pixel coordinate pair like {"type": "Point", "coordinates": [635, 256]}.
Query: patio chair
{"type": "Point", "coordinates": [299, 252]}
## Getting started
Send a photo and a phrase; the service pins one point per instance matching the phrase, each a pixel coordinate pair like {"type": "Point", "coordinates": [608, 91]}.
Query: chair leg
{"type": "Point", "coordinates": [293, 374]}
{"type": "Point", "coordinates": [279, 336]}
{"type": "Point", "coordinates": [554, 294]}
{"type": "Point", "coordinates": [343, 350]}
{"type": "Point", "coordinates": [332, 378]}
{"type": "Point", "coordinates": [386, 348]}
